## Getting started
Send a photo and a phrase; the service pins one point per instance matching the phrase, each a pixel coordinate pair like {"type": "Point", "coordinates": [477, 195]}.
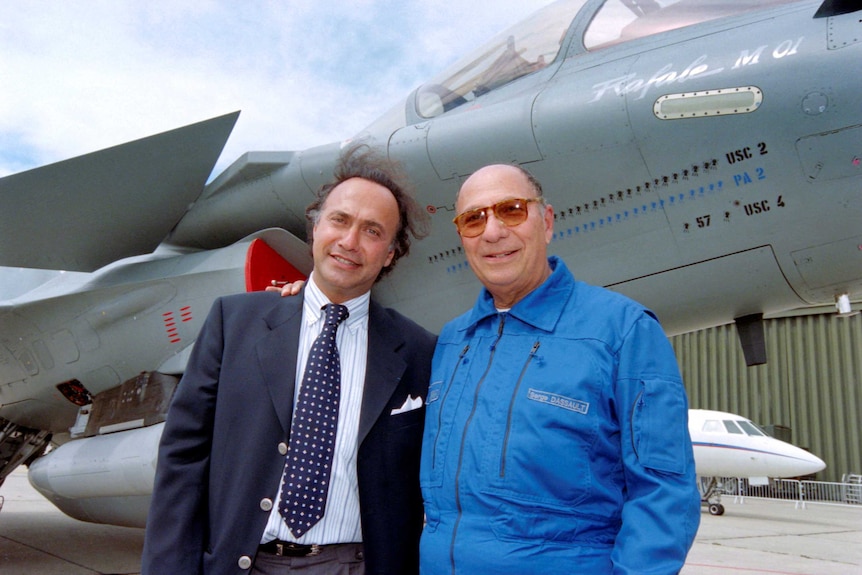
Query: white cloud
{"type": "Point", "coordinates": [81, 75]}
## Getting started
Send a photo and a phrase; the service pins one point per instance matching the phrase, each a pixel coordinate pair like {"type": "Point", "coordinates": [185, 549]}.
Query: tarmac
{"type": "Point", "coordinates": [754, 537]}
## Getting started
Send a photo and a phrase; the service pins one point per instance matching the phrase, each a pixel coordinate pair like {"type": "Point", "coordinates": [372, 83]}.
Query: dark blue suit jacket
{"type": "Point", "coordinates": [219, 462]}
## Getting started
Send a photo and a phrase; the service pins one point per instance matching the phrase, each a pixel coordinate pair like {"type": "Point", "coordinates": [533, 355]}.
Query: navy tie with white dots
{"type": "Point", "coordinates": [312, 433]}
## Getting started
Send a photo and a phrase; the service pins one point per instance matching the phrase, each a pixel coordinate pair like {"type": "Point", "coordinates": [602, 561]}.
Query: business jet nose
{"type": "Point", "coordinates": [797, 462]}
{"type": "Point", "coordinates": [812, 463]}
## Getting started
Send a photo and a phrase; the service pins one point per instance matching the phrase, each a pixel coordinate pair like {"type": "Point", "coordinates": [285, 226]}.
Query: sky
{"type": "Point", "coordinates": [78, 76]}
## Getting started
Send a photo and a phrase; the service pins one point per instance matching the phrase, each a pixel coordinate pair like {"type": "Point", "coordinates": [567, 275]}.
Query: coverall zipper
{"type": "Point", "coordinates": [512, 407]}
{"type": "Point", "coordinates": [442, 402]}
{"type": "Point", "coordinates": [464, 437]}
{"type": "Point", "coordinates": [638, 402]}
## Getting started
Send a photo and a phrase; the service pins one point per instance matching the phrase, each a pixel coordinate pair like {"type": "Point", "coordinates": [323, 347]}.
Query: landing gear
{"type": "Point", "coordinates": [711, 489]}
{"type": "Point", "coordinates": [19, 445]}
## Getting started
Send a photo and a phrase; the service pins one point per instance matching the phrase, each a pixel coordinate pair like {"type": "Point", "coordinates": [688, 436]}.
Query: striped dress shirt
{"type": "Point", "coordinates": [340, 523]}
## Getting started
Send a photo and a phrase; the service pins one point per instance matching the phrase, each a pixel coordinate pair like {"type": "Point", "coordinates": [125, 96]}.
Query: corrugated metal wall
{"type": "Point", "coordinates": [811, 383]}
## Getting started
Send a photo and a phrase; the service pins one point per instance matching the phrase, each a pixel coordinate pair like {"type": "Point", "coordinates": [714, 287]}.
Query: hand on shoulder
{"type": "Point", "coordinates": [286, 289]}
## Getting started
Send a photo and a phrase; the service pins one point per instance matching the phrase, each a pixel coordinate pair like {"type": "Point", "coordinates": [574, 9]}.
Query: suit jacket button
{"type": "Point", "coordinates": [266, 504]}
{"type": "Point", "coordinates": [282, 448]}
{"type": "Point", "coordinates": [244, 562]}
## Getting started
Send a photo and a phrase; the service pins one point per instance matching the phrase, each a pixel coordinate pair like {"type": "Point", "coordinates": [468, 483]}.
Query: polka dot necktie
{"type": "Point", "coordinates": [312, 433]}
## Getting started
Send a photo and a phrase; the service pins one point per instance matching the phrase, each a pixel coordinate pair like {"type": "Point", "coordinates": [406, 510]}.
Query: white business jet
{"type": "Point", "coordinates": [730, 446]}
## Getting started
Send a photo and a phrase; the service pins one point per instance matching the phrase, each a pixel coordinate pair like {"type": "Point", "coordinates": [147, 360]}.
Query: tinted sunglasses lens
{"type": "Point", "coordinates": [511, 212]}
{"type": "Point", "coordinates": [471, 224]}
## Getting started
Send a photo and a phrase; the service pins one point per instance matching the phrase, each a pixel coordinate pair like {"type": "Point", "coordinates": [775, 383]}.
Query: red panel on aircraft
{"type": "Point", "coordinates": [263, 265]}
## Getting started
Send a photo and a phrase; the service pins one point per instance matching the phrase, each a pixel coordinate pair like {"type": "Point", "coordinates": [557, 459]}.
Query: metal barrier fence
{"type": "Point", "coordinates": [802, 492]}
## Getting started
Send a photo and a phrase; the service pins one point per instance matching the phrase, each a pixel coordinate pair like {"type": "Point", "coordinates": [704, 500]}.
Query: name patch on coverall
{"type": "Point", "coordinates": [558, 400]}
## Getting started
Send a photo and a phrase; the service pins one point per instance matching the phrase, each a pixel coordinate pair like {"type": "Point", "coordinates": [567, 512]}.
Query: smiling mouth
{"type": "Point", "coordinates": [343, 260]}
{"type": "Point", "coordinates": [500, 255]}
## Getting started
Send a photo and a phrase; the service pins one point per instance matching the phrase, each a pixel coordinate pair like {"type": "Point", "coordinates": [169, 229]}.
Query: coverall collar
{"type": "Point", "coordinates": [541, 308]}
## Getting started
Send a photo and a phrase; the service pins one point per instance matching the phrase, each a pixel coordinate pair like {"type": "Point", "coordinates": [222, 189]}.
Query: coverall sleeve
{"type": "Point", "coordinates": [661, 511]}
{"type": "Point", "coordinates": [177, 519]}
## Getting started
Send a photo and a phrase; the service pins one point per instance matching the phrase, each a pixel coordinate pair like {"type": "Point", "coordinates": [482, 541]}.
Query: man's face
{"type": "Point", "coordinates": [509, 261]}
{"type": "Point", "coordinates": [353, 238]}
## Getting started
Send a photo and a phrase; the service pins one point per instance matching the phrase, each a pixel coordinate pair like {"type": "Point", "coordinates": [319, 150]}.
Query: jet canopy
{"type": "Point", "coordinates": [540, 40]}
{"type": "Point", "coordinates": [528, 46]}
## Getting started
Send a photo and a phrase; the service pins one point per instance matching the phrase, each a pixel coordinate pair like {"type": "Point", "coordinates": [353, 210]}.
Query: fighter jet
{"type": "Point", "coordinates": [702, 157]}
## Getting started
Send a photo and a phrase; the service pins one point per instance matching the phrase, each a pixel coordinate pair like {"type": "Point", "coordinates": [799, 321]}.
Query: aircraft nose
{"type": "Point", "coordinates": [804, 462]}
{"type": "Point", "coordinates": [795, 461]}
{"type": "Point", "coordinates": [813, 464]}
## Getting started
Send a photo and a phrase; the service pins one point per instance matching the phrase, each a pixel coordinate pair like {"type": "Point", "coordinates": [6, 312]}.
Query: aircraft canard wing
{"type": "Point", "coordinates": [83, 213]}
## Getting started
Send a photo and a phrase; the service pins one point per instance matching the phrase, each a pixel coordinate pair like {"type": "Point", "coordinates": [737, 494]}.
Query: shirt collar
{"type": "Point", "coordinates": [315, 300]}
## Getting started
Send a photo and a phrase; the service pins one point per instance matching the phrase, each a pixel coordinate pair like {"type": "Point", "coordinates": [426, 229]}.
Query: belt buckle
{"type": "Point", "coordinates": [297, 549]}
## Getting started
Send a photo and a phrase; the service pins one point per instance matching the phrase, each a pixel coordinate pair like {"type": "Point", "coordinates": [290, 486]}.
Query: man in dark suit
{"type": "Point", "coordinates": [222, 468]}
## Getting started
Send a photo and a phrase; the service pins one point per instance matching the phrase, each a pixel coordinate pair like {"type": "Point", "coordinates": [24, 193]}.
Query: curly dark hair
{"type": "Point", "coordinates": [360, 160]}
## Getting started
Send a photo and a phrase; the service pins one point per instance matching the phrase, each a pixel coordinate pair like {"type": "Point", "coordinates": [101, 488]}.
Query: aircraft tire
{"type": "Point", "coordinates": [716, 509]}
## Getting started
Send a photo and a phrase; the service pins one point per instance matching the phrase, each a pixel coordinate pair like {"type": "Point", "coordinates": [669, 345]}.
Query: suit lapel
{"type": "Point", "coordinates": [383, 371]}
{"type": "Point", "coordinates": [277, 352]}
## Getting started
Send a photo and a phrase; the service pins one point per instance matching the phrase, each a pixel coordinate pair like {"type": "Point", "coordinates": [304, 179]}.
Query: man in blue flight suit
{"type": "Point", "coordinates": [556, 434]}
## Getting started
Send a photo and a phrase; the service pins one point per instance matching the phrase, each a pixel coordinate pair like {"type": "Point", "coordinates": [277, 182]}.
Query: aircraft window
{"type": "Point", "coordinates": [750, 428]}
{"type": "Point", "coordinates": [623, 20]}
{"type": "Point", "coordinates": [712, 426]}
{"type": "Point", "coordinates": [731, 426]}
{"type": "Point", "coordinates": [525, 48]}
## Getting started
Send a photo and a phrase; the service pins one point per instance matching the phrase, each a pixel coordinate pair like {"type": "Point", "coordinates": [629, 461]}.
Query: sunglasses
{"type": "Point", "coordinates": [511, 212]}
